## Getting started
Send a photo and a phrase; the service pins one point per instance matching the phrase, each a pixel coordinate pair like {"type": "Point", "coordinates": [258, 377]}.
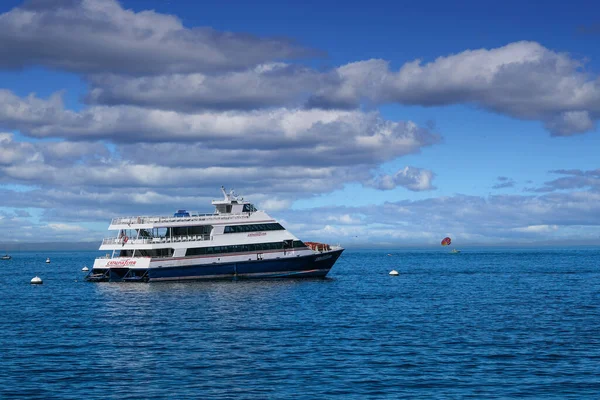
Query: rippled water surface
{"type": "Point", "coordinates": [498, 323]}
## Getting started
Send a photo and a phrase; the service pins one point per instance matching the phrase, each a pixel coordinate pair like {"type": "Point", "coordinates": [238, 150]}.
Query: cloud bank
{"type": "Point", "coordinates": [101, 36]}
{"type": "Point", "coordinates": [173, 111]}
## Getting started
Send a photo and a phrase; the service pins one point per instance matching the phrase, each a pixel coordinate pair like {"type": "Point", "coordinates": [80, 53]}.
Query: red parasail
{"type": "Point", "coordinates": [446, 241]}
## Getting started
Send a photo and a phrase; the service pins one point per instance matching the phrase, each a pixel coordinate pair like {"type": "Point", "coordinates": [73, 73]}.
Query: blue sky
{"type": "Point", "coordinates": [388, 125]}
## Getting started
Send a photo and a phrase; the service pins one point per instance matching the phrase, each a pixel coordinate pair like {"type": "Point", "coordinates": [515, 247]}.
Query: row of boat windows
{"type": "Point", "coordinates": [188, 230]}
{"type": "Point", "coordinates": [238, 248]}
{"type": "Point", "coordinates": [155, 253]}
{"type": "Point", "coordinates": [253, 228]}
{"type": "Point", "coordinates": [206, 229]}
{"type": "Point", "coordinates": [199, 251]}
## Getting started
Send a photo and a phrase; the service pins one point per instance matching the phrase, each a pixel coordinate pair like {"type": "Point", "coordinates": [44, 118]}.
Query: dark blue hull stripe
{"type": "Point", "coordinates": [316, 265]}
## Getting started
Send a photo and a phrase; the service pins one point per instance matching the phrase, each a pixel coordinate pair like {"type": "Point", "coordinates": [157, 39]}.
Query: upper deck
{"type": "Point", "coordinates": [229, 209]}
{"type": "Point", "coordinates": [165, 221]}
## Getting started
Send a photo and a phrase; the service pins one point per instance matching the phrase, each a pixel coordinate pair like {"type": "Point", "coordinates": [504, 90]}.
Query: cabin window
{"type": "Point", "coordinates": [253, 228]}
{"type": "Point", "coordinates": [154, 253]}
{"type": "Point", "coordinates": [224, 208]}
{"type": "Point", "coordinates": [249, 208]}
{"type": "Point", "coordinates": [189, 230]}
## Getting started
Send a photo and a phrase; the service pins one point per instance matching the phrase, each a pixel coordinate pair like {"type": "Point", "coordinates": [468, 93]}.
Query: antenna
{"type": "Point", "coordinates": [225, 196]}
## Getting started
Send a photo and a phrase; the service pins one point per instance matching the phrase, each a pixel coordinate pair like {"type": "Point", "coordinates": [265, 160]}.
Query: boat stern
{"type": "Point", "coordinates": [119, 269]}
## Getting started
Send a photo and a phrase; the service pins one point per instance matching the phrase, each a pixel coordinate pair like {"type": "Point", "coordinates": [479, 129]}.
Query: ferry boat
{"type": "Point", "coordinates": [235, 241]}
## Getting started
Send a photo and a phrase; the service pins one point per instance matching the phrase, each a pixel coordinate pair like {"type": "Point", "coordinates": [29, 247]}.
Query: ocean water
{"type": "Point", "coordinates": [486, 323]}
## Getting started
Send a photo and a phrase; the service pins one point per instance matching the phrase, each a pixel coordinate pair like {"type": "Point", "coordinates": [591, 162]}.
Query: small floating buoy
{"type": "Point", "coordinates": [48, 260]}
{"type": "Point", "coordinates": [394, 272]}
{"type": "Point", "coordinates": [36, 281]}
{"type": "Point", "coordinates": [85, 269]}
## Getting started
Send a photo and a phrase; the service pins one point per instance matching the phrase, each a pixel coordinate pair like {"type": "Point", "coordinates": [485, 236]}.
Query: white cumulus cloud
{"type": "Point", "coordinates": [411, 178]}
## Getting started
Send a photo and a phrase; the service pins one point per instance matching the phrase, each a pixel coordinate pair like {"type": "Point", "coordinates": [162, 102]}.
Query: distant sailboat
{"type": "Point", "coordinates": [5, 257]}
{"type": "Point", "coordinates": [48, 260]}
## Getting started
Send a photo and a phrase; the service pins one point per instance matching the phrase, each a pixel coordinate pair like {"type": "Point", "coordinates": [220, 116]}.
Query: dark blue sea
{"type": "Point", "coordinates": [486, 323]}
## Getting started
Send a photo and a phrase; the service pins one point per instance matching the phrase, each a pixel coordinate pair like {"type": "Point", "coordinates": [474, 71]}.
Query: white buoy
{"type": "Point", "coordinates": [48, 260]}
{"type": "Point", "coordinates": [85, 269]}
{"type": "Point", "coordinates": [36, 281]}
{"type": "Point", "coordinates": [394, 272]}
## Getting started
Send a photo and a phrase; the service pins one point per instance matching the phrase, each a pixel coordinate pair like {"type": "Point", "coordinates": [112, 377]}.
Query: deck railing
{"type": "Point", "coordinates": [155, 240]}
{"type": "Point", "coordinates": [154, 220]}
